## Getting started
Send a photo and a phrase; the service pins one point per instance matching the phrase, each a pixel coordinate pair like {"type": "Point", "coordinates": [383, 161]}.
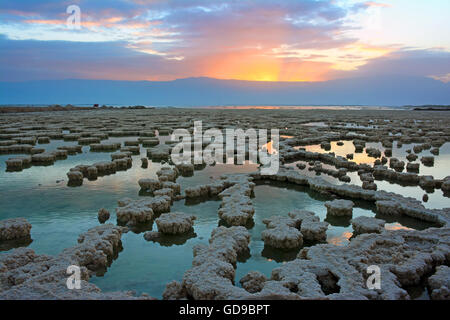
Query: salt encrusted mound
{"type": "Point", "coordinates": [160, 204]}
{"type": "Point", "coordinates": [164, 192]}
{"type": "Point", "coordinates": [149, 184]}
{"type": "Point", "coordinates": [174, 291]}
{"type": "Point", "coordinates": [12, 229]}
{"type": "Point", "coordinates": [300, 215]}
{"type": "Point", "coordinates": [212, 273]}
{"type": "Point", "coordinates": [282, 232]}
{"type": "Point", "coordinates": [446, 184]}
{"type": "Point", "coordinates": [167, 174]}
{"type": "Point", "coordinates": [323, 271]}
{"type": "Point", "coordinates": [253, 281]}
{"type": "Point", "coordinates": [101, 147]}
{"type": "Point", "coordinates": [160, 152]}
{"type": "Point", "coordinates": [175, 223]}
{"type": "Point", "coordinates": [27, 276]}
{"type": "Point", "coordinates": [75, 176]}
{"type": "Point", "coordinates": [96, 246]}
{"type": "Point", "coordinates": [45, 157]}
{"type": "Point", "coordinates": [404, 257]}
{"type": "Point", "coordinates": [439, 283]}
{"type": "Point", "coordinates": [92, 172]}
{"type": "Point", "coordinates": [282, 237]}
{"type": "Point", "coordinates": [103, 215]}
{"type": "Point", "coordinates": [150, 142]}
{"type": "Point", "coordinates": [176, 187]}
{"type": "Point", "coordinates": [144, 163]}
{"type": "Point", "coordinates": [314, 230]}
{"type": "Point", "coordinates": [186, 169]}
{"type": "Point", "coordinates": [134, 213]}
{"type": "Point", "coordinates": [197, 191]}
{"type": "Point", "coordinates": [367, 225]}
{"type": "Point", "coordinates": [18, 163]}
{"type": "Point", "coordinates": [339, 207]}
{"type": "Point", "coordinates": [236, 208]}
{"type": "Point", "coordinates": [277, 221]}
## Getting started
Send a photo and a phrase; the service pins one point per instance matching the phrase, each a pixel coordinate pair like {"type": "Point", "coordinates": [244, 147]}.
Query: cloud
{"type": "Point", "coordinates": [272, 40]}
{"type": "Point", "coordinates": [433, 63]}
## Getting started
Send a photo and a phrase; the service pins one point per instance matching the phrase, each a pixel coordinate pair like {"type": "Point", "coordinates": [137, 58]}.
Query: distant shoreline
{"type": "Point", "coordinates": [44, 108]}
{"type": "Point", "coordinates": [431, 108]}
{"type": "Point", "coordinates": [60, 108]}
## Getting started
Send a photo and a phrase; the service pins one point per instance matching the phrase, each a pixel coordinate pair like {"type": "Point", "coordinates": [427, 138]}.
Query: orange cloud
{"type": "Point", "coordinates": [255, 66]}
{"type": "Point", "coordinates": [377, 4]}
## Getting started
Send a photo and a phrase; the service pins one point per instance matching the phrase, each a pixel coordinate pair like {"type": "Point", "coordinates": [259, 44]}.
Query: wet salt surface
{"type": "Point", "coordinates": [439, 170]}
{"type": "Point", "coordinates": [59, 214]}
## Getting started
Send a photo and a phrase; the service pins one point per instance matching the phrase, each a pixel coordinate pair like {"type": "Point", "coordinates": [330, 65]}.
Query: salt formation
{"type": "Point", "coordinates": [282, 237]}
{"type": "Point", "coordinates": [144, 162]}
{"type": "Point", "coordinates": [339, 207]}
{"type": "Point", "coordinates": [314, 230]}
{"type": "Point", "coordinates": [236, 208]}
{"type": "Point", "coordinates": [175, 223]}
{"type": "Point", "coordinates": [18, 163]}
{"type": "Point", "coordinates": [322, 271]}
{"type": "Point", "coordinates": [158, 153]}
{"type": "Point", "coordinates": [12, 229]}
{"type": "Point", "coordinates": [325, 271]}
{"type": "Point", "coordinates": [47, 158]}
{"type": "Point", "coordinates": [253, 281]}
{"type": "Point", "coordinates": [439, 283]}
{"type": "Point", "coordinates": [159, 204]}
{"type": "Point", "coordinates": [167, 174]}
{"type": "Point", "coordinates": [198, 191]}
{"type": "Point", "coordinates": [104, 147]}
{"type": "Point", "coordinates": [288, 232]}
{"type": "Point", "coordinates": [103, 215]}
{"type": "Point", "coordinates": [149, 184]}
{"type": "Point", "coordinates": [186, 169]}
{"type": "Point", "coordinates": [71, 149]}
{"type": "Point", "coordinates": [427, 161]}
{"type": "Point", "coordinates": [367, 225]}
{"type": "Point", "coordinates": [386, 202]}
{"type": "Point", "coordinates": [27, 276]}
{"type": "Point", "coordinates": [75, 177]}
{"type": "Point", "coordinates": [212, 273]}
{"type": "Point", "coordinates": [446, 184]}
{"type": "Point", "coordinates": [150, 142]}
{"type": "Point", "coordinates": [172, 185]}
{"type": "Point", "coordinates": [134, 213]}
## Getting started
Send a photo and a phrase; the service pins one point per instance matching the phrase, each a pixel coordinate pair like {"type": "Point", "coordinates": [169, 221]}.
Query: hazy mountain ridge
{"type": "Point", "coordinates": [392, 91]}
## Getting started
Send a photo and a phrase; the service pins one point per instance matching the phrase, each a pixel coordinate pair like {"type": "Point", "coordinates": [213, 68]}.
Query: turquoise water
{"type": "Point", "coordinates": [59, 214]}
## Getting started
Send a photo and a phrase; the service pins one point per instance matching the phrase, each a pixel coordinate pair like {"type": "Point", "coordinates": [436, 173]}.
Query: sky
{"type": "Point", "coordinates": [258, 40]}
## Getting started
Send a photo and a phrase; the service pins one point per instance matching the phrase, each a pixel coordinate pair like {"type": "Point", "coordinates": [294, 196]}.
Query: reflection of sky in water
{"type": "Point", "coordinates": [59, 214]}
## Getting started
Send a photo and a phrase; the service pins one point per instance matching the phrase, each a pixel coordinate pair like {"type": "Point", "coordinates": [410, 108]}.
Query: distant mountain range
{"type": "Point", "coordinates": [189, 92]}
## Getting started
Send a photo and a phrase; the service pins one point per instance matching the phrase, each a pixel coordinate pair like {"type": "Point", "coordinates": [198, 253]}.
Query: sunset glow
{"type": "Point", "coordinates": [244, 40]}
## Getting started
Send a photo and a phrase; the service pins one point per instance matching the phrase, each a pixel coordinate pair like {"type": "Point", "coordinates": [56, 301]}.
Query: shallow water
{"type": "Point", "coordinates": [59, 214]}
